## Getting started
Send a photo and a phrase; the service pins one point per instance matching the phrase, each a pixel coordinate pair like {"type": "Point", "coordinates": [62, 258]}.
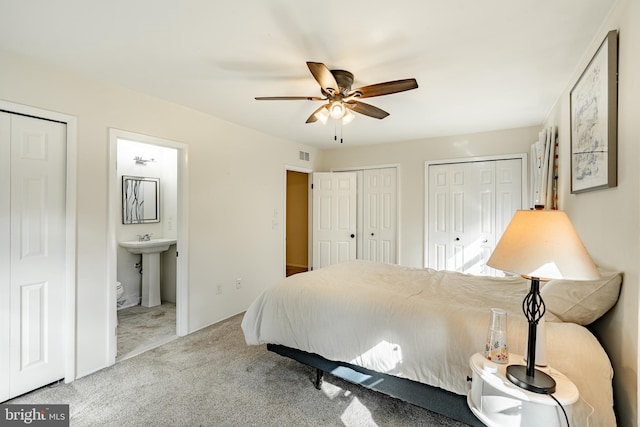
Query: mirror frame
{"type": "Point", "coordinates": [134, 211]}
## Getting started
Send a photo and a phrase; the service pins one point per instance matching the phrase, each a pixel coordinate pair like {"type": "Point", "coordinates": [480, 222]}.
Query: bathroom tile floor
{"type": "Point", "coordinates": [144, 328]}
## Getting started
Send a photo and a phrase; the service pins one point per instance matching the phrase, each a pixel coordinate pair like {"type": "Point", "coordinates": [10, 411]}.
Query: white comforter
{"type": "Point", "coordinates": [420, 324]}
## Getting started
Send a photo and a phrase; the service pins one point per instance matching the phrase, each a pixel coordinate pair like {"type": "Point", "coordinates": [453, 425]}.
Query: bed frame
{"type": "Point", "coordinates": [425, 396]}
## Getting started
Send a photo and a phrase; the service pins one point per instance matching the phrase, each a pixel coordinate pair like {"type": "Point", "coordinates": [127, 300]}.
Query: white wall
{"type": "Point", "coordinates": [608, 220]}
{"type": "Point", "coordinates": [236, 183]}
{"type": "Point", "coordinates": [411, 157]}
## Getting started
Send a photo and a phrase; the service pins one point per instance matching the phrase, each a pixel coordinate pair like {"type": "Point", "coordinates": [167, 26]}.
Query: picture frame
{"type": "Point", "coordinates": [594, 121]}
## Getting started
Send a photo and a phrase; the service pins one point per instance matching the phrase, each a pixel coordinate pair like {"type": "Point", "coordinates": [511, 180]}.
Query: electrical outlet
{"type": "Point", "coordinates": [238, 283]}
{"type": "Point", "coordinates": [218, 289]}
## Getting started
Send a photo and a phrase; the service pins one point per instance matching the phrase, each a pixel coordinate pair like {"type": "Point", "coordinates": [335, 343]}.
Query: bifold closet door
{"type": "Point", "coordinates": [379, 233]}
{"type": "Point", "coordinates": [334, 218]}
{"type": "Point", "coordinates": [469, 205]}
{"type": "Point", "coordinates": [33, 253]}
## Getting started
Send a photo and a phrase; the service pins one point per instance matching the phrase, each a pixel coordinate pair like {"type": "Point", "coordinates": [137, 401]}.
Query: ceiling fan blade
{"type": "Point", "coordinates": [366, 109]}
{"type": "Point", "coordinates": [289, 98]}
{"type": "Point", "coordinates": [313, 118]}
{"type": "Point", "coordinates": [324, 77]}
{"type": "Point", "coordinates": [384, 88]}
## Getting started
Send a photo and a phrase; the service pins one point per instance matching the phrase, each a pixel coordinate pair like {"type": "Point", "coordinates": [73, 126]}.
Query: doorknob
{"type": "Point", "coordinates": [353, 235]}
{"type": "Point", "coordinates": [457, 239]}
{"type": "Point", "coordinates": [372, 234]}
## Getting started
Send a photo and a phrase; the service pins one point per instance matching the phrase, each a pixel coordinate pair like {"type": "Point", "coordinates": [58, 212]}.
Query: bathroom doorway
{"type": "Point", "coordinates": [141, 321]}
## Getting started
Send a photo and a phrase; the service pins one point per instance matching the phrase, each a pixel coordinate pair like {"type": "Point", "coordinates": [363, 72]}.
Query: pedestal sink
{"type": "Point", "coordinates": [150, 250]}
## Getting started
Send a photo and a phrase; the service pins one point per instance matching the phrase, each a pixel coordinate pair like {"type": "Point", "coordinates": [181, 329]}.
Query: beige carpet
{"type": "Point", "coordinates": [212, 378]}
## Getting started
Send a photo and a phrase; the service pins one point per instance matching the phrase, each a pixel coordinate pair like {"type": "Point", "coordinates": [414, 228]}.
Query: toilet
{"type": "Point", "coordinates": [119, 291]}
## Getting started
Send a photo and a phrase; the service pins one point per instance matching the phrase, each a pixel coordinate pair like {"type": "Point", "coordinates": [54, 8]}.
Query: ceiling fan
{"type": "Point", "coordinates": [335, 86]}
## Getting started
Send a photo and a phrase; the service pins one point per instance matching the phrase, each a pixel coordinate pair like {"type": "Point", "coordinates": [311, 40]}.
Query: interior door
{"type": "Point", "coordinates": [483, 208]}
{"type": "Point", "coordinates": [380, 215]}
{"type": "Point", "coordinates": [334, 218]}
{"type": "Point", "coordinates": [508, 200]}
{"type": "Point", "coordinates": [464, 228]}
{"type": "Point", "coordinates": [36, 234]}
{"type": "Point", "coordinates": [453, 225]}
{"type": "Point", "coordinates": [5, 253]}
{"type": "Point", "coordinates": [439, 196]}
{"type": "Point", "coordinates": [469, 205]}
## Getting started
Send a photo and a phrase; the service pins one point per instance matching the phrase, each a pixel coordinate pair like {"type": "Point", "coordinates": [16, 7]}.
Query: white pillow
{"type": "Point", "coordinates": [582, 302]}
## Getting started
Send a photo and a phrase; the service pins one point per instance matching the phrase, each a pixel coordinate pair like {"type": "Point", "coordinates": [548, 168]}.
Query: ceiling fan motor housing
{"type": "Point", "coordinates": [344, 80]}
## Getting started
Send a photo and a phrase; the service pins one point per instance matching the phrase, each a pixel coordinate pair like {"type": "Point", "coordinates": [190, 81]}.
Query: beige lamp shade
{"type": "Point", "coordinates": [543, 244]}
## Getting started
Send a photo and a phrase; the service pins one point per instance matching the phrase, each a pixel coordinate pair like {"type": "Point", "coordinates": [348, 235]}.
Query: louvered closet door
{"type": "Point", "coordinates": [33, 279]}
{"type": "Point", "coordinates": [380, 215]}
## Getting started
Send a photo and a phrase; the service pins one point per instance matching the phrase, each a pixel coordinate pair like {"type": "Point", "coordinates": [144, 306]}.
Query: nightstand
{"type": "Point", "coordinates": [496, 401]}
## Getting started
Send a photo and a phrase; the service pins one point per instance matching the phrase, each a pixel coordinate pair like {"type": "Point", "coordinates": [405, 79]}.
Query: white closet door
{"type": "Point", "coordinates": [508, 200]}
{"type": "Point", "coordinates": [334, 218]}
{"type": "Point", "coordinates": [469, 205]}
{"type": "Point", "coordinates": [464, 227]}
{"type": "Point", "coordinates": [508, 192]}
{"type": "Point", "coordinates": [454, 229]}
{"type": "Point", "coordinates": [439, 216]}
{"type": "Point", "coordinates": [5, 253]}
{"type": "Point", "coordinates": [380, 215]}
{"type": "Point", "coordinates": [36, 273]}
{"type": "Point", "coordinates": [484, 216]}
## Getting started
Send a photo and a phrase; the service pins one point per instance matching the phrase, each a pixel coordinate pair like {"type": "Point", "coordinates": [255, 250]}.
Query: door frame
{"type": "Point", "coordinates": [360, 203]}
{"type": "Point", "coordinates": [309, 172]}
{"type": "Point", "coordinates": [114, 213]}
{"type": "Point", "coordinates": [525, 187]}
{"type": "Point", "coordinates": [71, 142]}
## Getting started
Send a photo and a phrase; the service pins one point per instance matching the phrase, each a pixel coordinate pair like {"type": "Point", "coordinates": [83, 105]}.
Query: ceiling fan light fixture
{"type": "Point", "coordinates": [337, 110]}
{"type": "Point", "coordinates": [322, 115]}
{"type": "Point", "coordinates": [348, 117]}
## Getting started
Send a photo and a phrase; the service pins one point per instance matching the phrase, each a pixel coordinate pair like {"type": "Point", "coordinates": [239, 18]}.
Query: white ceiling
{"type": "Point", "coordinates": [480, 65]}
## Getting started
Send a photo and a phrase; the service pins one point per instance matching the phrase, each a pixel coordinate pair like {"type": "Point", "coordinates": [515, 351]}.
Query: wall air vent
{"type": "Point", "coordinates": [304, 156]}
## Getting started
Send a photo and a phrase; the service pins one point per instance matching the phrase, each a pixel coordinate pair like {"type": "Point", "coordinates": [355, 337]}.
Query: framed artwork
{"type": "Point", "coordinates": [594, 121]}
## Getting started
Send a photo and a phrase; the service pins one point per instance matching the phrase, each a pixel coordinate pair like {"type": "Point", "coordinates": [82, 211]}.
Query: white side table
{"type": "Point", "coordinates": [498, 402]}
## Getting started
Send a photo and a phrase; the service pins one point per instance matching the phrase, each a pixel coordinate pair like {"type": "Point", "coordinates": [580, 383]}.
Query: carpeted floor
{"type": "Point", "coordinates": [212, 378]}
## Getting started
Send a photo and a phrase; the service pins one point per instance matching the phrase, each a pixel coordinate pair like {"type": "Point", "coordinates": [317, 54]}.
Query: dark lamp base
{"type": "Point", "coordinates": [538, 383]}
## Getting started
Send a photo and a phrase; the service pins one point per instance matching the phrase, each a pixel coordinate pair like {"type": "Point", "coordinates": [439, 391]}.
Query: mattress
{"type": "Point", "coordinates": [421, 324]}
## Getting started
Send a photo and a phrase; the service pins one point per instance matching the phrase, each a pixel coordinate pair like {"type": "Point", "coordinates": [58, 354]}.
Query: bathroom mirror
{"type": "Point", "coordinates": [140, 200]}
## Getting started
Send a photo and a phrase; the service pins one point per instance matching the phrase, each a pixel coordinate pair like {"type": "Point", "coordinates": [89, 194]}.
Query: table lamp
{"type": "Point", "coordinates": [540, 245]}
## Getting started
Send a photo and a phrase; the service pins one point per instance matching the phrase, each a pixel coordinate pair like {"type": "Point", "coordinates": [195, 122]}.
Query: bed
{"type": "Point", "coordinates": [422, 326]}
